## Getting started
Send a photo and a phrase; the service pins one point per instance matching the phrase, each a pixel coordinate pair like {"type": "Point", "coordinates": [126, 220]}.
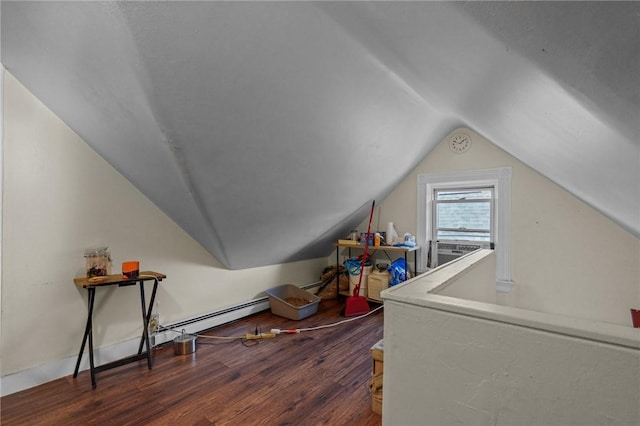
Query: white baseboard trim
{"type": "Point", "coordinates": [35, 376]}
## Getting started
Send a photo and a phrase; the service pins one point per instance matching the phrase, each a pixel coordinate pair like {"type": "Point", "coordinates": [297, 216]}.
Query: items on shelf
{"type": "Point", "coordinates": [328, 288]}
{"type": "Point", "coordinates": [130, 268]}
{"type": "Point", "coordinates": [98, 262]}
{"type": "Point", "coordinates": [378, 281]}
{"type": "Point", "coordinates": [399, 271]}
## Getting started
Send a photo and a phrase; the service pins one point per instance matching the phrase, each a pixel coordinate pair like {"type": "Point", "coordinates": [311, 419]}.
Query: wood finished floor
{"type": "Point", "coordinates": [313, 378]}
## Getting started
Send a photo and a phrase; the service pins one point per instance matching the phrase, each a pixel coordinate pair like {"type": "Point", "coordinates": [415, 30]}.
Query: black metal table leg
{"type": "Point", "coordinates": [149, 311]}
{"type": "Point", "coordinates": [87, 330]}
{"type": "Point", "coordinates": [406, 267]}
{"type": "Point", "coordinates": [337, 272]}
{"type": "Point", "coordinates": [145, 325]}
{"type": "Point", "coordinates": [88, 333]}
{"type": "Point", "coordinates": [92, 366]}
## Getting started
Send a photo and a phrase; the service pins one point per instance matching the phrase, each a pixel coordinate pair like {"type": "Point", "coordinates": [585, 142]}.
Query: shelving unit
{"type": "Point", "coordinates": [387, 249]}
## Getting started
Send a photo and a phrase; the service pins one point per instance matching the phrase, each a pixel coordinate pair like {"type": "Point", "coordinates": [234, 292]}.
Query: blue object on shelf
{"type": "Point", "coordinates": [398, 271]}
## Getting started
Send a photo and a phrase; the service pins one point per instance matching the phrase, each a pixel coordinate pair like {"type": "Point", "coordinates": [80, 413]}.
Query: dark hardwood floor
{"type": "Point", "coordinates": [311, 378]}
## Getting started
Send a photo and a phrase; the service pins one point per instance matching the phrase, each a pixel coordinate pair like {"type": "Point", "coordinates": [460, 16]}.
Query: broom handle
{"type": "Point", "coordinates": [356, 290]}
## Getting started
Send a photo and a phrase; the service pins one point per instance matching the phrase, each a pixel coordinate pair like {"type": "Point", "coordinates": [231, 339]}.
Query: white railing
{"type": "Point", "coordinates": [453, 356]}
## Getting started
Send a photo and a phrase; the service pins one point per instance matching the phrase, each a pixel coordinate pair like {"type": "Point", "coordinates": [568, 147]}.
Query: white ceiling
{"type": "Point", "coordinates": [253, 124]}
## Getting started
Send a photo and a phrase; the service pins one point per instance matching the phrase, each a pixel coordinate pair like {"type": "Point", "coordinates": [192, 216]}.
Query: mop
{"type": "Point", "coordinates": [357, 305]}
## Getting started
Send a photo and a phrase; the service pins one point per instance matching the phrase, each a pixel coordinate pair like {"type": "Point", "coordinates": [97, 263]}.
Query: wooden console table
{"type": "Point", "coordinates": [121, 281]}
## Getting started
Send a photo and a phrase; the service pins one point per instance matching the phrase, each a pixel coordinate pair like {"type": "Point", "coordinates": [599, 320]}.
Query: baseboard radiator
{"type": "Point", "coordinates": [198, 324]}
{"type": "Point", "coordinates": [63, 367]}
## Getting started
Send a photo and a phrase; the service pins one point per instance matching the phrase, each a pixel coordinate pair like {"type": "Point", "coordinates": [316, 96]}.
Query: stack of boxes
{"type": "Point", "coordinates": [377, 281]}
{"type": "Point", "coordinates": [375, 387]}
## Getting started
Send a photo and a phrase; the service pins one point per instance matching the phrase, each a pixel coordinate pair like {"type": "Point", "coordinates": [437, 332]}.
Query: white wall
{"type": "Point", "coordinates": [471, 282]}
{"type": "Point", "coordinates": [448, 368]}
{"type": "Point", "coordinates": [462, 361]}
{"type": "Point", "coordinates": [566, 257]}
{"type": "Point", "coordinates": [60, 197]}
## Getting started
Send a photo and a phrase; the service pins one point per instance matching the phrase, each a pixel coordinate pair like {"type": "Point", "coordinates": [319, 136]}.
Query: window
{"type": "Point", "coordinates": [464, 214]}
{"type": "Point", "coordinates": [472, 205]}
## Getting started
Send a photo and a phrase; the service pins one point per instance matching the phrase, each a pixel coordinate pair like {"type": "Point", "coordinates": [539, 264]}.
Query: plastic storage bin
{"type": "Point", "coordinates": [378, 281]}
{"type": "Point", "coordinates": [355, 278]}
{"type": "Point", "coordinates": [282, 302]}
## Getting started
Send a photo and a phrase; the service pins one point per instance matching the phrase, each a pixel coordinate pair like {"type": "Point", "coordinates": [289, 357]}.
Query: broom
{"type": "Point", "coordinates": [357, 305]}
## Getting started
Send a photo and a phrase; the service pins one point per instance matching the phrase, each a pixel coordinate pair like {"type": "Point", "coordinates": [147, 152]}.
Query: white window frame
{"type": "Point", "coordinates": [433, 231]}
{"type": "Point", "coordinates": [500, 179]}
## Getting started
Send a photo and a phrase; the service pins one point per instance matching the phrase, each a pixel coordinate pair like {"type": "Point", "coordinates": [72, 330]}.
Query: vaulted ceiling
{"type": "Point", "coordinates": [254, 125]}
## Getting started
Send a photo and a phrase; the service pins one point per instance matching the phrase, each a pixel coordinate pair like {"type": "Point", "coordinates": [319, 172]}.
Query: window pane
{"type": "Point", "coordinates": [464, 194]}
{"type": "Point", "coordinates": [464, 236]}
{"type": "Point", "coordinates": [474, 215]}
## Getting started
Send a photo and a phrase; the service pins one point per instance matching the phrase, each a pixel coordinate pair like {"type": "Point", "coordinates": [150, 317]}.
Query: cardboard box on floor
{"type": "Point", "coordinates": [375, 387]}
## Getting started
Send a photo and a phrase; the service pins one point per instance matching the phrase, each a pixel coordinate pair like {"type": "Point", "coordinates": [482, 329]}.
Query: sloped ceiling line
{"type": "Point", "coordinates": [175, 149]}
{"type": "Point", "coordinates": [243, 121]}
{"type": "Point", "coordinates": [212, 148]}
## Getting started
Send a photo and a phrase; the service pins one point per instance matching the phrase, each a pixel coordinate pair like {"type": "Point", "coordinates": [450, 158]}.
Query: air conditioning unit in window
{"type": "Point", "coordinates": [450, 250]}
